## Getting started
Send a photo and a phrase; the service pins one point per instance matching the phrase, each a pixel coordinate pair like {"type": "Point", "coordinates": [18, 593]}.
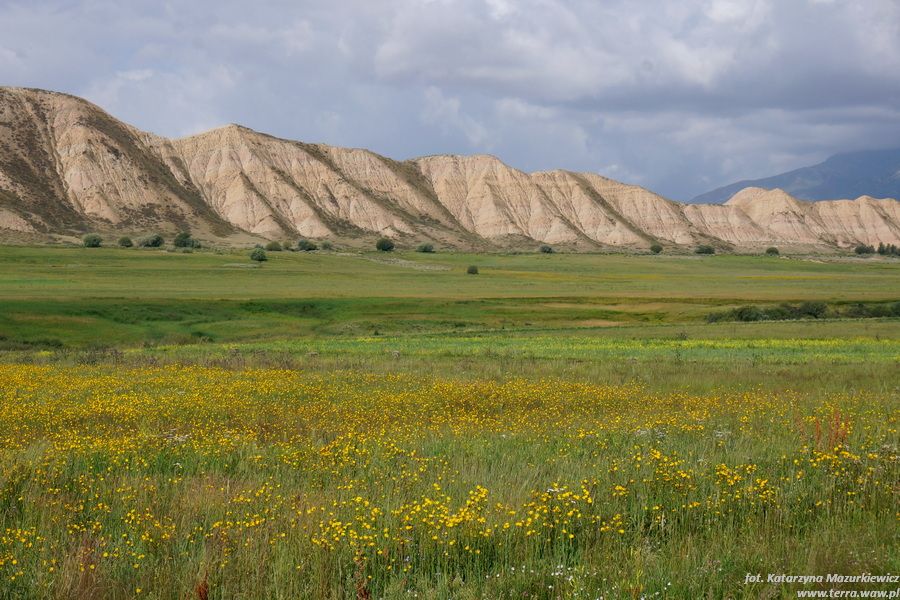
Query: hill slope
{"type": "Point", "coordinates": [850, 175]}
{"type": "Point", "coordinates": [67, 167]}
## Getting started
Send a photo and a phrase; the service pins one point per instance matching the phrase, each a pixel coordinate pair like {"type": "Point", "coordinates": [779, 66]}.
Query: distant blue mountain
{"type": "Point", "coordinates": [868, 173]}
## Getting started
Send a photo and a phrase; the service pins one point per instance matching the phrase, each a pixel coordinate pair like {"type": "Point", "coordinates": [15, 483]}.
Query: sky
{"type": "Point", "coordinates": [679, 96]}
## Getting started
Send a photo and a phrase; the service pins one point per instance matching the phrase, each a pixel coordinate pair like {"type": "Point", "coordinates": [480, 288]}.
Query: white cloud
{"type": "Point", "coordinates": [295, 37]}
{"type": "Point", "coordinates": [680, 96]}
{"type": "Point", "coordinates": [520, 109]}
{"type": "Point", "coordinates": [135, 94]}
{"type": "Point", "coordinates": [445, 112]}
{"type": "Point", "coordinates": [9, 59]}
{"type": "Point", "coordinates": [500, 8]}
{"type": "Point", "coordinates": [748, 13]}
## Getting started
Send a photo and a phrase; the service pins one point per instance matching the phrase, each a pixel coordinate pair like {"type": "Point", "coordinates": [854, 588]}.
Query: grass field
{"type": "Point", "coordinates": [107, 297]}
{"type": "Point", "coordinates": [385, 426]}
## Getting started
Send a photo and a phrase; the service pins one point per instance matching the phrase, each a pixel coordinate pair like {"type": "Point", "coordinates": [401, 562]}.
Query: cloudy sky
{"type": "Point", "coordinates": [679, 96]}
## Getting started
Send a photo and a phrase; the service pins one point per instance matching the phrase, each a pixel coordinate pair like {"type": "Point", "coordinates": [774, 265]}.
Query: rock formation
{"type": "Point", "coordinates": [67, 167]}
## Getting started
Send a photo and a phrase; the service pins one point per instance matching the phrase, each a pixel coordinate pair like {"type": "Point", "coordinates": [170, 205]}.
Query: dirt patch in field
{"type": "Point", "coordinates": [408, 264]}
{"type": "Point", "coordinates": [598, 323]}
{"type": "Point", "coordinates": [51, 319]}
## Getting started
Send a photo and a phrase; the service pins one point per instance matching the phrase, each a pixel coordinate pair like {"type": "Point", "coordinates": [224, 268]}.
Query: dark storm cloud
{"type": "Point", "coordinates": [677, 96]}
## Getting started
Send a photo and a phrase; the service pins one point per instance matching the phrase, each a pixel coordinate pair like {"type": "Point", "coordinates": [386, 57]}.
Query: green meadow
{"type": "Point", "coordinates": [79, 297]}
{"type": "Point", "coordinates": [384, 425]}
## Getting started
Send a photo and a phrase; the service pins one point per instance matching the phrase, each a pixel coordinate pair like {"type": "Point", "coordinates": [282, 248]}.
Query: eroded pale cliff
{"type": "Point", "coordinates": [66, 166]}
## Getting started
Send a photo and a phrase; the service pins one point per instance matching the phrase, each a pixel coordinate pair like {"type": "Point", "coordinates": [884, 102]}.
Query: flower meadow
{"type": "Point", "coordinates": [201, 482]}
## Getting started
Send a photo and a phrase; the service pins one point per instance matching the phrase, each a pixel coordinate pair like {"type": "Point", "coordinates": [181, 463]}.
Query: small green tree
{"type": "Point", "coordinates": [427, 248]}
{"type": "Point", "coordinates": [306, 246]}
{"type": "Point", "coordinates": [546, 249]}
{"type": "Point", "coordinates": [125, 242]}
{"type": "Point", "coordinates": [326, 245]}
{"type": "Point", "coordinates": [152, 241]}
{"type": "Point", "coordinates": [92, 240]}
{"type": "Point", "coordinates": [273, 246]}
{"type": "Point", "coordinates": [384, 244]}
{"type": "Point", "coordinates": [772, 251]}
{"type": "Point", "coordinates": [704, 249]}
{"type": "Point", "coordinates": [472, 270]}
{"type": "Point", "coordinates": [183, 240]}
{"type": "Point", "coordinates": [656, 248]}
{"type": "Point", "coordinates": [864, 249]}
{"type": "Point", "coordinates": [259, 255]}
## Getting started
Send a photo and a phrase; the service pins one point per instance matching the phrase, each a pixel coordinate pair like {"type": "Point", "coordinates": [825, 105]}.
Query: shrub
{"type": "Point", "coordinates": [864, 249]}
{"type": "Point", "coordinates": [783, 312]}
{"type": "Point", "coordinates": [427, 248]}
{"type": "Point", "coordinates": [704, 249]}
{"type": "Point", "coordinates": [273, 246]}
{"type": "Point", "coordinates": [656, 248]}
{"type": "Point", "coordinates": [860, 310]}
{"type": "Point", "coordinates": [546, 249]}
{"type": "Point", "coordinates": [772, 251]}
{"type": "Point", "coordinates": [153, 241]}
{"type": "Point", "coordinates": [384, 244]}
{"type": "Point", "coordinates": [749, 313]}
{"type": "Point", "coordinates": [815, 310]}
{"type": "Point", "coordinates": [92, 240]}
{"type": "Point", "coordinates": [306, 246]}
{"type": "Point", "coordinates": [743, 313]}
{"type": "Point", "coordinates": [125, 242]}
{"type": "Point", "coordinates": [183, 240]}
{"type": "Point", "coordinates": [258, 254]}
{"type": "Point", "coordinates": [472, 270]}
{"type": "Point", "coordinates": [807, 310]}
{"type": "Point", "coordinates": [327, 246]}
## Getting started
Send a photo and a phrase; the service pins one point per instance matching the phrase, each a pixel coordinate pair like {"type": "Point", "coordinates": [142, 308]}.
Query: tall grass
{"type": "Point", "coordinates": [175, 482]}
